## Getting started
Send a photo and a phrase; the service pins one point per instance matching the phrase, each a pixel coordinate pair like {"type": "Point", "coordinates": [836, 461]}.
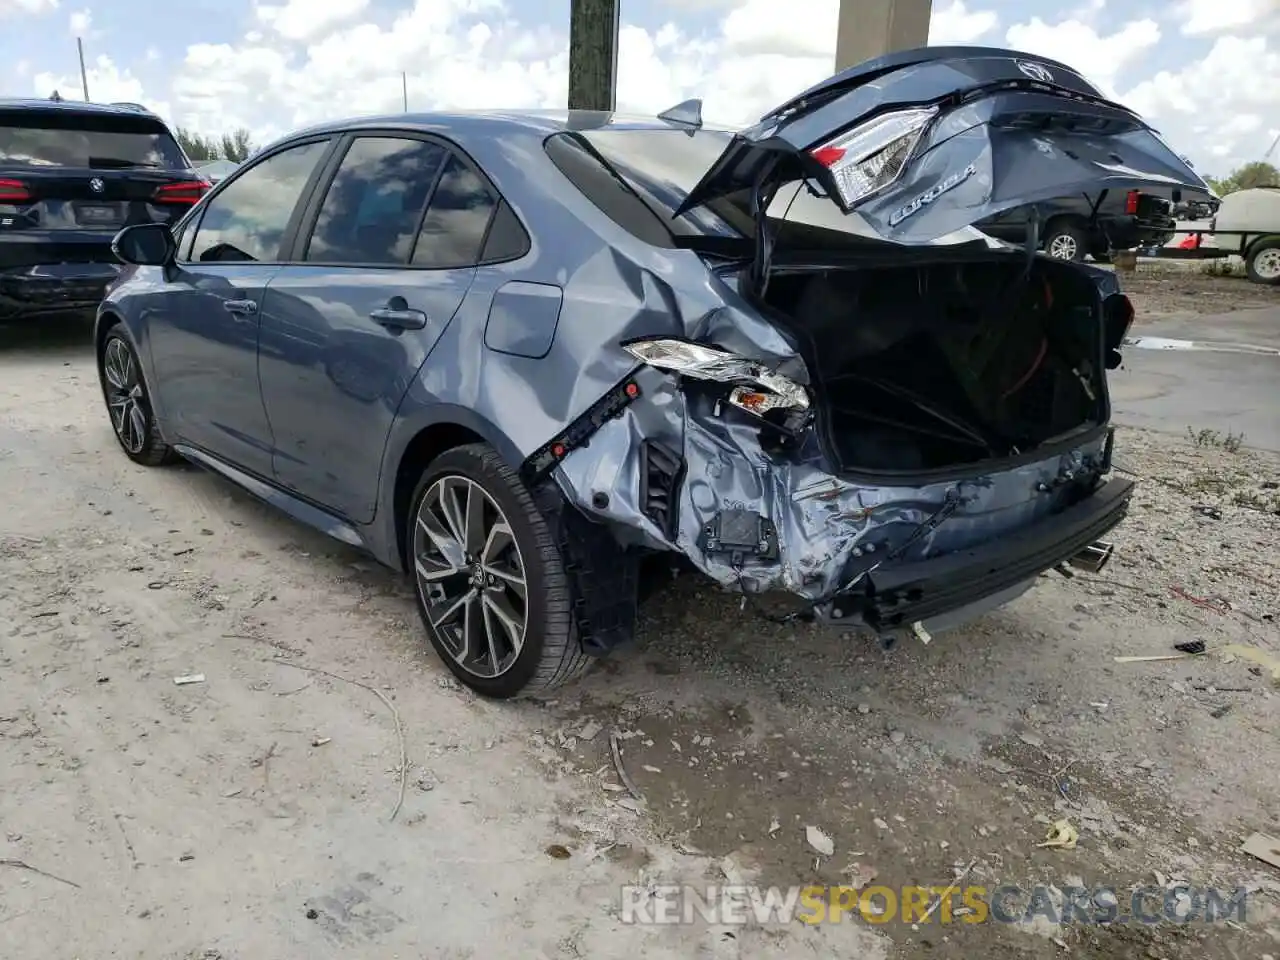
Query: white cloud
{"type": "Point", "coordinates": [81, 21]}
{"type": "Point", "coordinates": [21, 7]}
{"type": "Point", "coordinates": [956, 23]}
{"type": "Point", "coordinates": [108, 83]}
{"type": "Point", "coordinates": [306, 19]}
{"type": "Point", "coordinates": [1077, 44]}
{"type": "Point", "coordinates": [1200, 17]}
{"type": "Point", "coordinates": [1227, 94]}
{"type": "Point", "coordinates": [301, 61]}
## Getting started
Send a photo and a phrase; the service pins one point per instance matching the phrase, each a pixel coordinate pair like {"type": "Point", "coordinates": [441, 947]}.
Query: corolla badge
{"type": "Point", "coordinates": [933, 193]}
{"type": "Point", "coordinates": [96, 185]}
{"type": "Point", "coordinates": [1035, 71]}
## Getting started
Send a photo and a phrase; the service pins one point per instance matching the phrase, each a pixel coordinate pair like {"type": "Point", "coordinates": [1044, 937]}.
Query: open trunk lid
{"type": "Point", "coordinates": [925, 143]}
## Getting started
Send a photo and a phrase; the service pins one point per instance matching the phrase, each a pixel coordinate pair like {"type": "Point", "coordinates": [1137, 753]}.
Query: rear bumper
{"type": "Point", "coordinates": [1125, 233]}
{"type": "Point", "coordinates": [902, 594]}
{"type": "Point", "coordinates": [54, 288]}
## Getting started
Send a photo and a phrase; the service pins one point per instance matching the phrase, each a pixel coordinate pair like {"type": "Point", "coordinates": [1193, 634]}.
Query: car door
{"type": "Point", "coordinates": [387, 253]}
{"type": "Point", "coordinates": [204, 343]}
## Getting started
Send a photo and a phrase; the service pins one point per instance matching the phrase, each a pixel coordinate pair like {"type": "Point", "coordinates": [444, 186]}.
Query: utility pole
{"type": "Point", "coordinates": [404, 89]}
{"type": "Point", "coordinates": [873, 28]}
{"type": "Point", "coordinates": [84, 76]}
{"type": "Point", "coordinates": [593, 54]}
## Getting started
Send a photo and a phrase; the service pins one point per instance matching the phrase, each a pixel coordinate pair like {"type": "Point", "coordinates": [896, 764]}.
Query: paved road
{"type": "Point", "coordinates": [1207, 372]}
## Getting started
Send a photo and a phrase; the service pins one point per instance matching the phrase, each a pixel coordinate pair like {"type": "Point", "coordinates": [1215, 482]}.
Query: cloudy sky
{"type": "Point", "coordinates": [1205, 72]}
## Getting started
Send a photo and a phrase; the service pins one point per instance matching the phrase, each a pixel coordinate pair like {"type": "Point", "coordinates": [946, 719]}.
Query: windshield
{"type": "Point", "coordinates": [33, 138]}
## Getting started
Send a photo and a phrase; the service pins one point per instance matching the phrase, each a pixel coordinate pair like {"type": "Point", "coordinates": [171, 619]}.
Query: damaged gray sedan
{"type": "Point", "coordinates": [519, 355]}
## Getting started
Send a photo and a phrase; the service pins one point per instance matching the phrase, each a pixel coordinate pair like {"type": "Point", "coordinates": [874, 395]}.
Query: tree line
{"type": "Point", "coordinates": [1259, 173]}
{"type": "Point", "coordinates": [236, 146]}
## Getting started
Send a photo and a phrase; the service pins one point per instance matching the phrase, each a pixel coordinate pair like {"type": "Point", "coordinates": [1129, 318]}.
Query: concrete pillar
{"type": "Point", "coordinates": [593, 54]}
{"type": "Point", "coordinates": [872, 28]}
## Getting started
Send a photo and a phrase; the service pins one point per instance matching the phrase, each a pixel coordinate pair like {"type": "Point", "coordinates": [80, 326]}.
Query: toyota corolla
{"type": "Point", "coordinates": [516, 354]}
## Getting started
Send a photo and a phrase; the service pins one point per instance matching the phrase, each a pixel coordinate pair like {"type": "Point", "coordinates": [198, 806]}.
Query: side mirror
{"type": "Point", "coordinates": [145, 244]}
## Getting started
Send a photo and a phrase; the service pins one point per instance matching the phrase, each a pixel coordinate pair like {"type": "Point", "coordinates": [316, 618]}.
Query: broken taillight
{"type": "Point", "coordinates": [701, 361]}
{"type": "Point", "coordinates": [14, 191]}
{"type": "Point", "coordinates": [1131, 202]}
{"type": "Point", "coordinates": [186, 193]}
{"type": "Point", "coordinates": [872, 155]}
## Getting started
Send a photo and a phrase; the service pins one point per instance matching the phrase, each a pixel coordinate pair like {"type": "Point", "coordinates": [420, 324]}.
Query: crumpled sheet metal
{"type": "Point", "coordinates": [829, 528]}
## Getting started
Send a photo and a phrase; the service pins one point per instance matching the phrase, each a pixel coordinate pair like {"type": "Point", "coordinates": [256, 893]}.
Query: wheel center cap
{"type": "Point", "coordinates": [477, 576]}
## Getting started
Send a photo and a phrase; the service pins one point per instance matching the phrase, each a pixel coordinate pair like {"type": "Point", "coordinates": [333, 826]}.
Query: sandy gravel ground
{"type": "Point", "coordinates": [250, 815]}
{"type": "Point", "coordinates": [1177, 289]}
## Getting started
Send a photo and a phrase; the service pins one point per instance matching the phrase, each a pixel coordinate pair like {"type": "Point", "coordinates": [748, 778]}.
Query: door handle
{"type": "Point", "coordinates": [241, 308]}
{"type": "Point", "coordinates": [399, 318]}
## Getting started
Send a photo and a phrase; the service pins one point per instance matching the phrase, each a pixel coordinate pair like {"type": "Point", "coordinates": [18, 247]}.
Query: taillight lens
{"type": "Point", "coordinates": [14, 191]}
{"type": "Point", "coordinates": [1131, 202]}
{"type": "Point", "coordinates": [182, 194]}
{"type": "Point", "coordinates": [704, 362]}
{"type": "Point", "coordinates": [872, 155]}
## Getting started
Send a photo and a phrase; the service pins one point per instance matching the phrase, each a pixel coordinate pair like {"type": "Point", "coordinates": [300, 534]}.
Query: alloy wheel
{"type": "Point", "coordinates": [125, 395]}
{"type": "Point", "coordinates": [1063, 247]}
{"type": "Point", "coordinates": [1267, 264]}
{"type": "Point", "coordinates": [470, 576]}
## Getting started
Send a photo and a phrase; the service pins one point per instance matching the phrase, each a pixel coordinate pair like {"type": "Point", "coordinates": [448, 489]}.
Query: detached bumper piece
{"type": "Point", "coordinates": [579, 433]}
{"type": "Point", "coordinates": [900, 595]}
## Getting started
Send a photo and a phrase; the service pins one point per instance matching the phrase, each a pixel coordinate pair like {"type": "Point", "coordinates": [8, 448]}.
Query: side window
{"type": "Point", "coordinates": [247, 220]}
{"type": "Point", "coordinates": [374, 205]}
{"type": "Point", "coordinates": [457, 218]}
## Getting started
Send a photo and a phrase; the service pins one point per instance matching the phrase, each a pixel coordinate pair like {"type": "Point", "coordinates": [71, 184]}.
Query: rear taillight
{"type": "Point", "coordinates": [184, 194]}
{"type": "Point", "coordinates": [14, 191]}
{"type": "Point", "coordinates": [872, 155]}
{"type": "Point", "coordinates": [1131, 202]}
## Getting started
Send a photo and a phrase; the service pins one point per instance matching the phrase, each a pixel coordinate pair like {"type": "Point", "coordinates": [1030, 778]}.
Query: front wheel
{"type": "Point", "coordinates": [129, 404]}
{"type": "Point", "coordinates": [491, 585]}
{"type": "Point", "coordinates": [1263, 265]}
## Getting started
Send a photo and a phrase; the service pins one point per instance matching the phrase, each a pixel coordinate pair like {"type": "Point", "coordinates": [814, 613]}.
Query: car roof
{"type": "Point", "coordinates": [75, 106]}
{"type": "Point", "coordinates": [464, 124]}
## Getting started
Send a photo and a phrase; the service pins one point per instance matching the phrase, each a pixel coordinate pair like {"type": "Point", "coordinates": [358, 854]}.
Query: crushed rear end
{"type": "Point", "coordinates": [908, 429]}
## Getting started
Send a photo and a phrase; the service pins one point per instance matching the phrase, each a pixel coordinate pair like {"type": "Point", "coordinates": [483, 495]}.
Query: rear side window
{"type": "Point", "coordinates": [248, 219]}
{"type": "Point", "coordinates": [372, 209]}
{"type": "Point", "coordinates": [49, 139]}
{"type": "Point", "coordinates": [457, 220]}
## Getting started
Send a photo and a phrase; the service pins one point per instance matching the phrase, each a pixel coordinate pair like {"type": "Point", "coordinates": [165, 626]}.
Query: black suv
{"type": "Point", "coordinates": [1072, 228]}
{"type": "Point", "coordinates": [72, 174]}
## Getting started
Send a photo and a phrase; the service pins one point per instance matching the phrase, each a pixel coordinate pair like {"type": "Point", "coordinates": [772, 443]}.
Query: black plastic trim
{"type": "Point", "coordinates": [579, 433]}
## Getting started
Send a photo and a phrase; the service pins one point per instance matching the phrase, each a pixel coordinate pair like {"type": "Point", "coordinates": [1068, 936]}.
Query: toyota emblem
{"type": "Point", "coordinates": [96, 185]}
{"type": "Point", "coordinates": [1035, 71]}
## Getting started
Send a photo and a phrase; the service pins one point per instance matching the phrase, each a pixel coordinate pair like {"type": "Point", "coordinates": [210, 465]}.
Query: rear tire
{"type": "Point", "coordinates": [1066, 241]}
{"type": "Point", "coordinates": [1263, 263]}
{"type": "Point", "coordinates": [489, 579]}
{"type": "Point", "coordinates": [124, 389]}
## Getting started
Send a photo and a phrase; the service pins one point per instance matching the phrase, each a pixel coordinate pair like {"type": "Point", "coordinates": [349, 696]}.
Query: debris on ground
{"type": "Point", "coordinates": [1265, 848]}
{"type": "Point", "coordinates": [1190, 646]}
{"type": "Point", "coordinates": [23, 865]}
{"type": "Point", "coordinates": [615, 747]}
{"type": "Point", "coordinates": [189, 678]}
{"type": "Point", "coordinates": [1062, 836]}
{"type": "Point", "coordinates": [858, 875]}
{"type": "Point", "coordinates": [1267, 661]}
{"type": "Point", "coordinates": [819, 841]}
